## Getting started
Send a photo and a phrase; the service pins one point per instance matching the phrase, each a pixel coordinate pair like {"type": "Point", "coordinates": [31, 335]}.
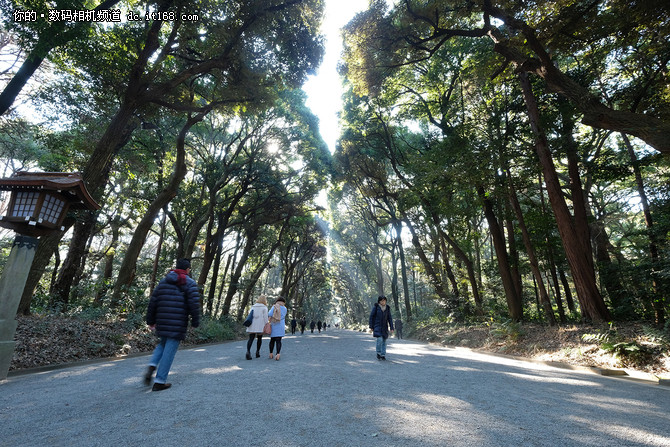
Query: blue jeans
{"type": "Point", "coordinates": [381, 346]}
{"type": "Point", "coordinates": [163, 356]}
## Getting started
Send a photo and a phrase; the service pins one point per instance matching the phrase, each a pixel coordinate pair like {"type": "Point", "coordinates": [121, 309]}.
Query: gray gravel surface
{"type": "Point", "coordinates": [329, 389]}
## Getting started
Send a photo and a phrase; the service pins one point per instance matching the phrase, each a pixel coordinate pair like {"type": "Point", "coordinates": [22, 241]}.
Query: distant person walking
{"type": "Point", "coordinates": [260, 310]}
{"type": "Point", "coordinates": [278, 320]}
{"type": "Point", "coordinates": [318, 325]}
{"type": "Point", "coordinates": [303, 323]}
{"type": "Point", "coordinates": [174, 299]}
{"type": "Point", "coordinates": [380, 320]}
{"type": "Point", "coordinates": [398, 328]}
{"type": "Point", "coordinates": [312, 325]}
{"type": "Point", "coordinates": [294, 323]}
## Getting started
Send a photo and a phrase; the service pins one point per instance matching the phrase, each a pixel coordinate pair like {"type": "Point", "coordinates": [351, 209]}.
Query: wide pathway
{"type": "Point", "coordinates": [329, 389]}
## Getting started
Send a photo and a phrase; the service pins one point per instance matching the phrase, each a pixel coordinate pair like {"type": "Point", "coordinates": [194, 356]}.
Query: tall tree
{"type": "Point", "coordinates": [413, 31]}
{"type": "Point", "coordinates": [581, 262]}
{"type": "Point", "coordinates": [39, 38]}
{"type": "Point", "coordinates": [235, 47]}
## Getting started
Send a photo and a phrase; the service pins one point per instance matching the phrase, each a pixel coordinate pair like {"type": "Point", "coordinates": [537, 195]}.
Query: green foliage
{"type": "Point", "coordinates": [215, 330]}
{"type": "Point", "coordinates": [656, 336]}
{"type": "Point", "coordinates": [91, 313]}
{"type": "Point", "coordinates": [598, 338]}
{"type": "Point", "coordinates": [505, 330]}
{"type": "Point", "coordinates": [627, 352]}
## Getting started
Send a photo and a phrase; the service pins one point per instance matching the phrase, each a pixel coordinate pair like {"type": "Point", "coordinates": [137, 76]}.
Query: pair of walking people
{"type": "Point", "coordinates": [276, 316]}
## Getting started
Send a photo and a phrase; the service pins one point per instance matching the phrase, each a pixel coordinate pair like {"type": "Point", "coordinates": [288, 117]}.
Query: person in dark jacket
{"type": "Point", "coordinates": [380, 321]}
{"type": "Point", "coordinates": [294, 324]}
{"type": "Point", "coordinates": [172, 301]}
{"type": "Point", "coordinates": [303, 323]}
{"type": "Point", "coordinates": [398, 328]}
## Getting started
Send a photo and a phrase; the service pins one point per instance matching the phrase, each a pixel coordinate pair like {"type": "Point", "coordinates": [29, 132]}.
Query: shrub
{"type": "Point", "coordinates": [626, 352]}
{"type": "Point", "coordinates": [506, 329]}
{"type": "Point", "coordinates": [211, 331]}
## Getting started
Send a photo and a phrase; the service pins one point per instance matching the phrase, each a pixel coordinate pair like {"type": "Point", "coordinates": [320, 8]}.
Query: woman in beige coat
{"type": "Point", "coordinates": [260, 310]}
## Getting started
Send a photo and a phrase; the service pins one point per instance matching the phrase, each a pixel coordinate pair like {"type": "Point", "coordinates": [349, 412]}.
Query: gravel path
{"type": "Point", "coordinates": [329, 389]}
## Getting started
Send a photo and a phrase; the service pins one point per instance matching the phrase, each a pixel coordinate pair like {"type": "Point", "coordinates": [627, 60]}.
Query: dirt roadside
{"type": "Point", "coordinates": [643, 351]}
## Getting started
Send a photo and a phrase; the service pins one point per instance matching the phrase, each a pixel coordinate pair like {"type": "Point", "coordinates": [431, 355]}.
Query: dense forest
{"type": "Point", "coordinates": [498, 160]}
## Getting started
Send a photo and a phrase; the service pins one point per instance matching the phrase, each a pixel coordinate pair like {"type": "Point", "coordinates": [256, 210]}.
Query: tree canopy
{"type": "Point", "coordinates": [496, 159]}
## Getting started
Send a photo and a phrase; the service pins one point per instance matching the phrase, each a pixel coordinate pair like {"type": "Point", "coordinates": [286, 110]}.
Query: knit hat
{"type": "Point", "coordinates": [183, 264]}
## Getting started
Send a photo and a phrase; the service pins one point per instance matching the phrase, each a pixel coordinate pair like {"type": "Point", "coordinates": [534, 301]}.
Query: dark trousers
{"type": "Point", "coordinates": [276, 340]}
{"type": "Point", "coordinates": [259, 337]}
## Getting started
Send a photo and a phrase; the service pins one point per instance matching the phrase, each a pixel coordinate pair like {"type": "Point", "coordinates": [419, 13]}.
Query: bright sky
{"type": "Point", "coordinates": [324, 90]}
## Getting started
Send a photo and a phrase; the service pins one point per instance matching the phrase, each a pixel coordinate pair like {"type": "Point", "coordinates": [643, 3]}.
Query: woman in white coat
{"type": "Point", "coordinates": [260, 310]}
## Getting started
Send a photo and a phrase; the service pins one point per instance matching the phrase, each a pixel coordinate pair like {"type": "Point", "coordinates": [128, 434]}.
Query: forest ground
{"type": "Point", "coordinates": [51, 339]}
{"type": "Point", "coordinates": [632, 346]}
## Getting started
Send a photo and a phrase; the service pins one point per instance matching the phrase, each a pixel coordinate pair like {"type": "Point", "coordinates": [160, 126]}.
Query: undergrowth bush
{"type": "Point", "coordinates": [626, 352]}
{"type": "Point", "coordinates": [506, 329]}
{"type": "Point", "coordinates": [214, 330]}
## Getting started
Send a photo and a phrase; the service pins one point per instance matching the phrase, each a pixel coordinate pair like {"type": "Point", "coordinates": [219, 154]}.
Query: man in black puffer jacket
{"type": "Point", "coordinates": [173, 300]}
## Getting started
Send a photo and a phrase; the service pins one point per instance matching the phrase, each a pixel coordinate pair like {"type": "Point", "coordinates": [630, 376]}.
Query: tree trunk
{"type": "Point", "coordinates": [159, 248]}
{"type": "Point", "coordinates": [579, 257]}
{"type": "Point", "coordinates": [109, 262]}
{"type": "Point", "coordinates": [218, 249]}
{"type": "Point", "coordinates": [448, 271]}
{"type": "Point", "coordinates": [657, 281]}
{"type": "Point", "coordinates": [54, 272]}
{"type": "Point", "coordinates": [532, 259]}
{"type": "Point", "coordinates": [394, 279]}
{"type": "Point", "coordinates": [568, 293]}
{"type": "Point", "coordinates": [513, 257]}
{"type": "Point", "coordinates": [252, 235]}
{"type": "Point", "coordinates": [513, 300]}
{"type": "Point", "coordinates": [378, 259]}
{"type": "Point", "coordinates": [73, 260]}
{"type": "Point", "coordinates": [403, 271]}
{"type": "Point", "coordinates": [14, 87]}
{"type": "Point", "coordinates": [127, 269]}
{"type": "Point", "coordinates": [211, 240]}
{"type": "Point", "coordinates": [215, 243]}
{"type": "Point", "coordinates": [80, 274]}
{"type": "Point", "coordinates": [193, 233]}
{"type": "Point", "coordinates": [557, 289]}
{"type": "Point", "coordinates": [470, 268]}
{"type": "Point", "coordinates": [609, 274]}
{"type": "Point", "coordinates": [233, 264]}
{"type": "Point", "coordinates": [550, 259]}
{"type": "Point", "coordinates": [582, 211]}
{"type": "Point", "coordinates": [219, 301]}
{"type": "Point", "coordinates": [430, 271]}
